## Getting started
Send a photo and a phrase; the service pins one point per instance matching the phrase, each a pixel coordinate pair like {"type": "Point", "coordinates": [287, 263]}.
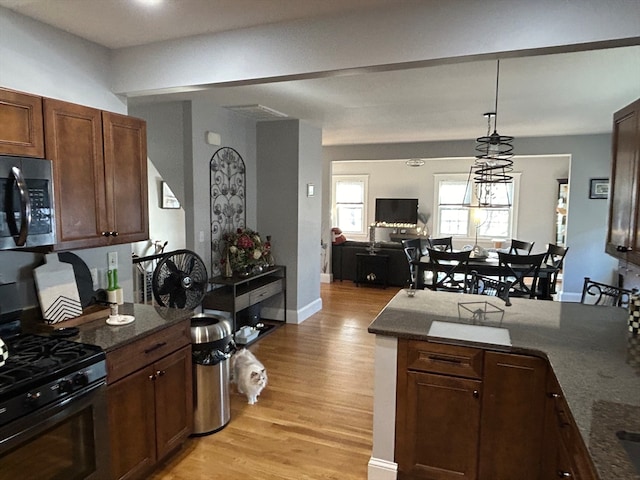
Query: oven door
{"type": "Point", "coordinates": [65, 441]}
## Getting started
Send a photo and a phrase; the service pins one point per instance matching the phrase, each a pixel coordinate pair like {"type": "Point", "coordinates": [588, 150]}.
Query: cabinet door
{"type": "Point", "coordinates": [513, 407]}
{"type": "Point", "coordinates": [73, 141]}
{"type": "Point", "coordinates": [622, 234]}
{"type": "Point", "coordinates": [125, 153]}
{"type": "Point", "coordinates": [132, 424]}
{"type": "Point", "coordinates": [21, 124]}
{"type": "Point", "coordinates": [174, 405]}
{"type": "Point", "coordinates": [439, 440]}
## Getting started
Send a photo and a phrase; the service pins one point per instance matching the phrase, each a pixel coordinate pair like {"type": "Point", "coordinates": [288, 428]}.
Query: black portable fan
{"type": "Point", "coordinates": [180, 280]}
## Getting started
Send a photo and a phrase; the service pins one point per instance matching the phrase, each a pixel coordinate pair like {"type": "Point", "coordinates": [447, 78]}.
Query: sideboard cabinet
{"type": "Point", "coordinates": [237, 293]}
{"type": "Point", "coordinates": [623, 234]}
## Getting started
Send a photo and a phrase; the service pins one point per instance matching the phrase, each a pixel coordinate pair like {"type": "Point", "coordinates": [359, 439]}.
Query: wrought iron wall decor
{"type": "Point", "coordinates": [227, 192]}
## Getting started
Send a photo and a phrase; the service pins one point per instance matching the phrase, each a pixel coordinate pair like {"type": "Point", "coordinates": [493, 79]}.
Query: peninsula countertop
{"type": "Point", "coordinates": [595, 358]}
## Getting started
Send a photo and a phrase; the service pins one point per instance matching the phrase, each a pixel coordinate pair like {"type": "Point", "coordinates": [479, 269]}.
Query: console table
{"type": "Point", "coordinates": [237, 293]}
{"type": "Point", "coordinates": [372, 269]}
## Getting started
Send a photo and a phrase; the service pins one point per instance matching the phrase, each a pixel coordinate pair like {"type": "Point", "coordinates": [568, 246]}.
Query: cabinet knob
{"type": "Point", "coordinates": [114, 234]}
{"type": "Point", "coordinates": [476, 394]}
{"type": "Point", "coordinates": [562, 474]}
{"type": "Point", "coordinates": [105, 234]}
{"type": "Point", "coordinates": [152, 377]}
{"type": "Point", "coordinates": [623, 248]}
{"type": "Point", "coordinates": [160, 373]}
{"type": "Point", "coordinates": [553, 395]}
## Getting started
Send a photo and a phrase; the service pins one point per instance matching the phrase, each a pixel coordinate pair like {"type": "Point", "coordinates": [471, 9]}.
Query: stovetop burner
{"type": "Point", "coordinates": [36, 359]}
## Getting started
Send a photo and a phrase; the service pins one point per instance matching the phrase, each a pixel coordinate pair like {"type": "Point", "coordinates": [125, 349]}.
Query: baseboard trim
{"type": "Point", "coordinates": [326, 277]}
{"type": "Point", "coordinates": [380, 469]}
{"type": "Point", "coordinates": [299, 316]}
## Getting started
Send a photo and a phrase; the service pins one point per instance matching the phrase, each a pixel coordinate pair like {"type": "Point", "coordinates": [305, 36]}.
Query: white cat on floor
{"type": "Point", "coordinates": [248, 374]}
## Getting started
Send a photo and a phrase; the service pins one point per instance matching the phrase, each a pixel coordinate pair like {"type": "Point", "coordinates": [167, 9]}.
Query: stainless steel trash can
{"type": "Point", "coordinates": [211, 345]}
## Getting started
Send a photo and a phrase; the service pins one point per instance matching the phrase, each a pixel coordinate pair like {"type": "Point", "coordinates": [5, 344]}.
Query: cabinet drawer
{"type": "Point", "coordinates": [445, 359]}
{"type": "Point", "coordinates": [146, 350]}
{"type": "Point", "coordinates": [265, 291]}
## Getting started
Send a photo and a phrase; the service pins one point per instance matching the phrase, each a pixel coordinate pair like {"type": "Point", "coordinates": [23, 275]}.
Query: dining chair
{"type": "Point", "coordinates": [523, 271]}
{"type": "Point", "coordinates": [597, 293]}
{"type": "Point", "coordinates": [448, 270]}
{"type": "Point", "coordinates": [483, 285]}
{"type": "Point", "coordinates": [520, 247]}
{"type": "Point", "coordinates": [413, 252]}
{"type": "Point", "coordinates": [554, 259]}
{"type": "Point", "coordinates": [443, 244]}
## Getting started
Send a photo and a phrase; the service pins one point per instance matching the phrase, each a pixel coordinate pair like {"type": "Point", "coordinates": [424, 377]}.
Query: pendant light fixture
{"type": "Point", "coordinates": [491, 171]}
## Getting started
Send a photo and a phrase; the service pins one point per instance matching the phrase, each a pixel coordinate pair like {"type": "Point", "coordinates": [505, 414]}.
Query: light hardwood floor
{"type": "Point", "coordinates": [314, 419]}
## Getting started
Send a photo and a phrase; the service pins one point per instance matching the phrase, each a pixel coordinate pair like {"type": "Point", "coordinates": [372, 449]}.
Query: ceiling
{"type": "Point", "coordinates": [560, 94]}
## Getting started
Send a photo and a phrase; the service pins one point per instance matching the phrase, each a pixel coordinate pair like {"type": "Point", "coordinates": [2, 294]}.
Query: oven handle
{"type": "Point", "coordinates": [25, 206]}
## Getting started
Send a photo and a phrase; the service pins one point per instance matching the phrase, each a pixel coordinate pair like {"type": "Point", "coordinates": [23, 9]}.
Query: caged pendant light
{"type": "Point", "coordinates": [491, 171]}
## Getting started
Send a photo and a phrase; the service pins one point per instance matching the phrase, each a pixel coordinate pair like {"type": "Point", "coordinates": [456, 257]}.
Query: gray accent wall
{"type": "Point", "coordinates": [289, 158]}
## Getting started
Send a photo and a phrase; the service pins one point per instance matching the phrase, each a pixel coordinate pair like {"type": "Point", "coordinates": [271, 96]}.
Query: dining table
{"type": "Point", "coordinates": [490, 266]}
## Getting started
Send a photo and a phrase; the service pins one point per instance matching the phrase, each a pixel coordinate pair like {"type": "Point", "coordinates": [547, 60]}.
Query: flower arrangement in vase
{"type": "Point", "coordinates": [245, 251]}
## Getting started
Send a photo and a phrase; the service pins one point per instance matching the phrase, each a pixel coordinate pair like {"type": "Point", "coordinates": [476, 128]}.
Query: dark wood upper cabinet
{"type": "Point", "coordinates": [125, 159]}
{"type": "Point", "coordinates": [74, 144]}
{"type": "Point", "coordinates": [623, 234]}
{"type": "Point", "coordinates": [21, 124]}
{"type": "Point", "coordinates": [100, 175]}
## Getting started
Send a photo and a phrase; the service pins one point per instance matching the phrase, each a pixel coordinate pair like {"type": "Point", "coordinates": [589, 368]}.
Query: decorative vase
{"type": "Point", "coordinates": [228, 272]}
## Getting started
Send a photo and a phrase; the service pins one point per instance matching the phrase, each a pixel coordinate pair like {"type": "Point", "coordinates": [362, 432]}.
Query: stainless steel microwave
{"type": "Point", "coordinates": [27, 216]}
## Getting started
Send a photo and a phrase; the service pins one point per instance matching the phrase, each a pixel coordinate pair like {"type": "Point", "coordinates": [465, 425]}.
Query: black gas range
{"type": "Point", "coordinates": [42, 369]}
{"type": "Point", "coordinates": [53, 414]}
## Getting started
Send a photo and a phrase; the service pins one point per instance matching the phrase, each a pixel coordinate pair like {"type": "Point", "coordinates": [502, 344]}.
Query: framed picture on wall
{"type": "Point", "coordinates": [599, 188]}
{"type": "Point", "coordinates": [169, 200]}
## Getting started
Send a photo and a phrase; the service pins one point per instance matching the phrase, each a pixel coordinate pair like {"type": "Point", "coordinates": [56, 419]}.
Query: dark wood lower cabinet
{"type": "Point", "coordinates": [466, 413]}
{"type": "Point", "coordinates": [513, 408]}
{"type": "Point", "coordinates": [565, 454]}
{"type": "Point", "coordinates": [442, 424]}
{"type": "Point", "coordinates": [132, 425]}
{"type": "Point", "coordinates": [150, 408]}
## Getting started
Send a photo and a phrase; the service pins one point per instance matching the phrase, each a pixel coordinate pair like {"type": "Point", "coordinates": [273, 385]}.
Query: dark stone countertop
{"type": "Point", "coordinates": [148, 319]}
{"type": "Point", "coordinates": [595, 358]}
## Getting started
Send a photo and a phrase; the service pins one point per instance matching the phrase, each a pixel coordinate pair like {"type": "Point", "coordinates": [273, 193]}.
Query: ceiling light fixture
{"type": "Point", "coordinates": [491, 171]}
{"type": "Point", "coordinates": [415, 162]}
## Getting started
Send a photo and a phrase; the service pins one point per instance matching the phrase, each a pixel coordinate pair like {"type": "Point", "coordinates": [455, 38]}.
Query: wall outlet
{"type": "Point", "coordinates": [201, 236]}
{"type": "Point", "coordinates": [112, 260]}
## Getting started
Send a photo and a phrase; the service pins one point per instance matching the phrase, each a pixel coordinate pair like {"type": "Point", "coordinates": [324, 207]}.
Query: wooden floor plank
{"type": "Point", "coordinates": [314, 419]}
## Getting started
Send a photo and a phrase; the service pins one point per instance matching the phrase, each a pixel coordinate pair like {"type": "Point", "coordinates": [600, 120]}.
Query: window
{"type": "Point", "coordinates": [455, 220]}
{"type": "Point", "coordinates": [349, 206]}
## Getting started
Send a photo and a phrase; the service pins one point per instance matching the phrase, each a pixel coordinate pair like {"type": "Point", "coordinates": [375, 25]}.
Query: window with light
{"type": "Point", "coordinates": [349, 193]}
{"type": "Point", "coordinates": [455, 220]}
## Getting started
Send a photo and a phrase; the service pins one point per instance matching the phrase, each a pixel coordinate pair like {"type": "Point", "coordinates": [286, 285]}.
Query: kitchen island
{"type": "Point", "coordinates": [588, 349]}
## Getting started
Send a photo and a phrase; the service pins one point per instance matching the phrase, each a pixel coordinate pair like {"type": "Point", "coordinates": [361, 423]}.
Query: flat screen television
{"type": "Point", "coordinates": [397, 210]}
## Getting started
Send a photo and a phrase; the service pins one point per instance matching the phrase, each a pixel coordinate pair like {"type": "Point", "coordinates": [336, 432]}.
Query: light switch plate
{"type": "Point", "coordinates": [112, 260]}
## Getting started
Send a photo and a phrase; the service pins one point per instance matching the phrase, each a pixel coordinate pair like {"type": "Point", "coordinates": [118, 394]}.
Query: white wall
{"type": "Point", "coordinates": [535, 206]}
{"type": "Point", "coordinates": [165, 224]}
{"type": "Point", "coordinates": [422, 32]}
{"type": "Point", "coordinates": [42, 60]}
